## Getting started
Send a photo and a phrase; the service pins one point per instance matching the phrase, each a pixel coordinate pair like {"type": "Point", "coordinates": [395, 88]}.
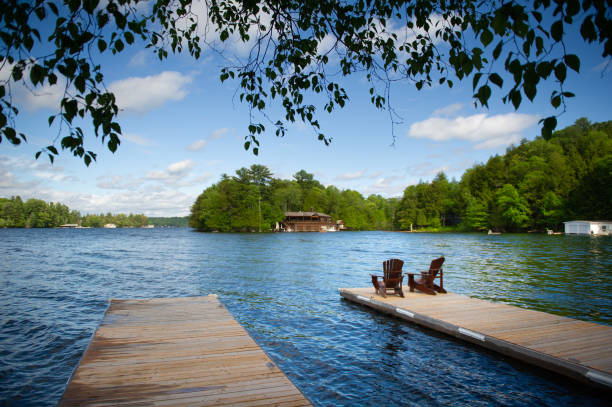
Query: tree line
{"type": "Point", "coordinates": [254, 199]}
{"type": "Point", "coordinates": [535, 185]}
{"type": "Point", "coordinates": [35, 213]}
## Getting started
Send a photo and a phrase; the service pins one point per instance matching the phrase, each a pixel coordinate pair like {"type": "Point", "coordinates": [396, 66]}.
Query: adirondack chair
{"type": "Point", "coordinates": [391, 279]}
{"type": "Point", "coordinates": [426, 282]}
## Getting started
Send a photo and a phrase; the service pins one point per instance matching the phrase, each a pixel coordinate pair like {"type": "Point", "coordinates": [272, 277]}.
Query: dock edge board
{"type": "Point", "coordinates": [575, 371]}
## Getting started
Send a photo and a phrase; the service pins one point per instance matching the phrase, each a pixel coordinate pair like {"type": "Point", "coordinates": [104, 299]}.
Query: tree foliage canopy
{"type": "Point", "coordinates": [299, 53]}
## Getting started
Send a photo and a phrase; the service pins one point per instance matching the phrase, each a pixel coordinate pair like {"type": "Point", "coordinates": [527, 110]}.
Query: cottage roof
{"type": "Point", "coordinates": [588, 221]}
{"type": "Point", "coordinates": [297, 214]}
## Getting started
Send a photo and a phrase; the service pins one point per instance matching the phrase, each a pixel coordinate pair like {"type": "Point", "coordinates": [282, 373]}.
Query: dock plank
{"type": "Point", "coordinates": [578, 349]}
{"type": "Point", "coordinates": [176, 352]}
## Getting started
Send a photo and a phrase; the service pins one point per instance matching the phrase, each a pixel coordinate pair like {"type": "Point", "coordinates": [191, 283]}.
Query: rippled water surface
{"type": "Point", "coordinates": [55, 284]}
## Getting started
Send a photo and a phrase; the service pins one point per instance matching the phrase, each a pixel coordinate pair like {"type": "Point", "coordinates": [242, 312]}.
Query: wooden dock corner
{"type": "Point", "coordinates": [577, 349]}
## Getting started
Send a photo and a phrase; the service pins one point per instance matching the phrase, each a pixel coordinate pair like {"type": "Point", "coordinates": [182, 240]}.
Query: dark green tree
{"type": "Point", "coordinates": [512, 208]}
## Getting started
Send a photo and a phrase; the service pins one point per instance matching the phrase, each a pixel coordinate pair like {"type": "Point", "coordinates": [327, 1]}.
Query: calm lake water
{"type": "Point", "coordinates": [55, 284]}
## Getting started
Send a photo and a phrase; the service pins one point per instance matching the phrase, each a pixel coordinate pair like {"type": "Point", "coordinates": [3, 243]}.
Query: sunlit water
{"type": "Point", "coordinates": [55, 284]}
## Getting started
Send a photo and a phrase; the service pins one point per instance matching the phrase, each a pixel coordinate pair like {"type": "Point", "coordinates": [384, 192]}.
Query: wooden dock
{"type": "Point", "coordinates": [176, 352]}
{"type": "Point", "coordinates": [577, 349]}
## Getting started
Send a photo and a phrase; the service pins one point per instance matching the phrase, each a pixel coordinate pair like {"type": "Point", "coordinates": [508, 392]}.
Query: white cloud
{"type": "Point", "coordinates": [137, 139]}
{"type": "Point", "coordinates": [499, 142]}
{"type": "Point", "coordinates": [486, 131]}
{"type": "Point", "coordinates": [25, 177]}
{"type": "Point", "coordinates": [180, 167]}
{"type": "Point", "coordinates": [139, 59]}
{"type": "Point", "coordinates": [425, 170]}
{"type": "Point", "coordinates": [217, 134]}
{"type": "Point", "coordinates": [173, 174]}
{"type": "Point", "coordinates": [350, 175]}
{"type": "Point", "coordinates": [118, 182]}
{"type": "Point", "coordinates": [33, 98]}
{"type": "Point", "coordinates": [449, 110]}
{"type": "Point", "coordinates": [197, 145]}
{"type": "Point", "coordinates": [150, 201]}
{"type": "Point", "coordinates": [602, 67]}
{"type": "Point", "coordinates": [389, 186]}
{"type": "Point", "coordinates": [142, 94]}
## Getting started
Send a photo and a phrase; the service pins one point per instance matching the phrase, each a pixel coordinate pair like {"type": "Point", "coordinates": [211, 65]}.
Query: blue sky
{"type": "Point", "coordinates": [182, 129]}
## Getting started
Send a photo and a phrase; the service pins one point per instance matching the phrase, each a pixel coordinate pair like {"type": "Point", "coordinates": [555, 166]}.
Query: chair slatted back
{"type": "Point", "coordinates": [434, 268]}
{"type": "Point", "coordinates": [392, 269]}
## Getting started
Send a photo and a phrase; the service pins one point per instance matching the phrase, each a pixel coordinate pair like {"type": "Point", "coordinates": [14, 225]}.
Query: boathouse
{"type": "Point", "coordinates": [588, 227]}
{"type": "Point", "coordinates": [307, 222]}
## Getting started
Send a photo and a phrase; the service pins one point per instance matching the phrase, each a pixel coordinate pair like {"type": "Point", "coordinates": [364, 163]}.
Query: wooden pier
{"type": "Point", "coordinates": [577, 349]}
{"type": "Point", "coordinates": [176, 352]}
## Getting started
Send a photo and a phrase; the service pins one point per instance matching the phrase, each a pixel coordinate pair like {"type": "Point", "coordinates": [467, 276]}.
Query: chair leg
{"type": "Point", "coordinates": [439, 289]}
{"type": "Point", "coordinates": [382, 291]}
{"type": "Point", "coordinates": [375, 283]}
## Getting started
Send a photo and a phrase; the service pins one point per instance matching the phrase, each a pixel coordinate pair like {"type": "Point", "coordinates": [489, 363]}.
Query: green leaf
{"type": "Point", "coordinates": [17, 73]}
{"type": "Point", "coordinates": [247, 145]}
{"type": "Point", "coordinates": [129, 37]}
{"type": "Point", "coordinates": [573, 62]}
{"type": "Point", "coordinates": [498, 49]}
{"type": "Point", "coordinates": [560, 72]}
{"type": "Point", "coordinates": [476, 79]}
{"type": "Point", "coordinates": [53, 8]}
{"type": "Point", "coordinates": [587, 30]}
{"type": "Point", "coordinates": [556, 30]}
{"type": "Point", "coordinates": [516, 98]}
{"type": "Point", "coordinates": [555, 101]}
{"type": "Point", "coordinates": [74, 5]}
{"type": "Point", "coordinates": [37, 74]}
{"type": "Point", "coordinates": [486, 37]}
{"type": "Point", "coordinates": [101, 45]}
{"type": "Point", "coordinates": [549, 125]}
{"type": "Point", "coordinates": [52, 149]}
{"type": "Point", "coordinates": [52, 78]}
{"type": "Point", "coordinates": [79, 83]}
{"type": "Point", "coordinates": [483, 95]}
{"type": "Point", "coordinates": [90, 5]}
{"type": "Point", "coordinates": [40, 13]}
{"type": "Point", "coordinates": [496, 79]}
{"type": "Point", "coordinates": [119, 45]}
{"type": "Point", "coordinates": [530, 90]}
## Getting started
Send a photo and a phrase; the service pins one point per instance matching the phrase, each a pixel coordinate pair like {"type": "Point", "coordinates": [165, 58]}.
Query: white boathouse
{"type": "Point", "coordinates": [588, 227]}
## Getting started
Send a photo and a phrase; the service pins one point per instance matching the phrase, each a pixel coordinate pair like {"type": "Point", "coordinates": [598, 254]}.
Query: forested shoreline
{"type": "Point", "coordinates": [35, 213]}
{"type": "Point", "coordinates": [535, 185]}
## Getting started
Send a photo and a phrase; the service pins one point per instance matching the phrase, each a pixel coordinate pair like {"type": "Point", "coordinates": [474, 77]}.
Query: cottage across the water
{"type": "Point", "coordinates": [589, 227]}
{"type": "Point", "coordinates": [306, 222]}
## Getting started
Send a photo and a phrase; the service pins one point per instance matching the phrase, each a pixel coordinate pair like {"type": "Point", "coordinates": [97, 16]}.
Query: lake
{"type": "Point", "coordinates": [283, 288]}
